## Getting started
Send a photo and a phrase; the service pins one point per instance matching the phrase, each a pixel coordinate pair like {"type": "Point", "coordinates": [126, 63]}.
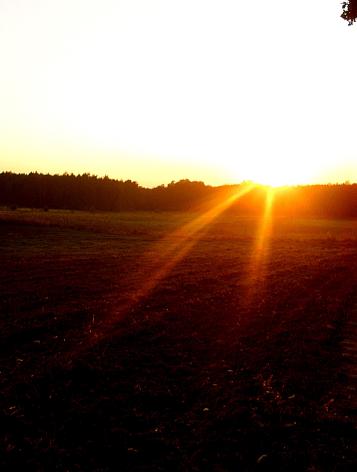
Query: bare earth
{"type": "Point", "coordinates": [145, 342]}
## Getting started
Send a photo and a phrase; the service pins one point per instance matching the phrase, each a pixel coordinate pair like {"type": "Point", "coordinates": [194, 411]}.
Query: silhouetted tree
{"type": "Point", "coordinates": [349, 11]}
{"type": "Point", "coordinates": [89, 192]}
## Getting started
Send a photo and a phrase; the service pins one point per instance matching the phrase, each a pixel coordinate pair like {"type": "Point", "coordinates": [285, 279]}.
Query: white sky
{"type": "Point", "coordinates": [155, 91]}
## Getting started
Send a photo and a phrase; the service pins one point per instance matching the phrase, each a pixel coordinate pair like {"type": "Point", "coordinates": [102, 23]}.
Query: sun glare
{"type": "Point", "coordinates": [281, 172]}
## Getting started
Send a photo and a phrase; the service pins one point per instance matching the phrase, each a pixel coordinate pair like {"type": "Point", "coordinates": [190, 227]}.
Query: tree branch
{"type": "Point", "coordinates": [349, 11]}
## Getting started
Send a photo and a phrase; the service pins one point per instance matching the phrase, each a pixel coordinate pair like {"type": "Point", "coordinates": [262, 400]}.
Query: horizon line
{"type": "Point", "coordinates": [227, 184]}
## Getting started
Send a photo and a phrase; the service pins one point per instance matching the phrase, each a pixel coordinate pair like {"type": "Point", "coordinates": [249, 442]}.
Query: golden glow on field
{"type": "Point", "coordinates": [266, 223]}
{"type": "Point", "coordinates": [256, 271]}
{"type": "Point", "coordinates": [153, 90]}
{"type": "Point", "coordinates": [169, 251]}
{"type": "Point", "coordinates": [177, 245]}
{"type": "Point", "coordinates": [164, 255]}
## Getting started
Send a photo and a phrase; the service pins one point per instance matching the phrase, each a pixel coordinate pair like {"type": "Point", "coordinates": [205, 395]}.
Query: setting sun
{"type": "Point", "coordinates": [277, 176]}
{"type": "Point", "coordinates": [277, 171]}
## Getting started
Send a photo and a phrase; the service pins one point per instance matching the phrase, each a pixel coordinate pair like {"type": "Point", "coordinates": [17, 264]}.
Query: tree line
{"type": "Point", "coordinates": [92, 193]}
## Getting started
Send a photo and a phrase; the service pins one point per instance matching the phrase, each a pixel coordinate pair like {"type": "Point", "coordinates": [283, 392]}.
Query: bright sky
{"type": "Point", "coordinates": [159, 90]}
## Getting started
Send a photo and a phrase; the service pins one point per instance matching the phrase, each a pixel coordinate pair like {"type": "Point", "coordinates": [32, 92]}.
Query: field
{"type": "Point", "coordinates": [157, 342]}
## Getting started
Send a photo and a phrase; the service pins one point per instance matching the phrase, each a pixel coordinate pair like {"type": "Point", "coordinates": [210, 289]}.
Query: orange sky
{"type": "Point", "coordinates": [154, 91]}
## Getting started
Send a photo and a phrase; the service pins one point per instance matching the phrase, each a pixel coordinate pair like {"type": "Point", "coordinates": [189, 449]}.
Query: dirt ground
{"type": "Point", "coordinates": [152, 342]}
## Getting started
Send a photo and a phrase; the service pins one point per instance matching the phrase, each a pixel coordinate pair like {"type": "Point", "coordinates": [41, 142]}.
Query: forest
{"type": "Point", "coordinates": [91, 193]}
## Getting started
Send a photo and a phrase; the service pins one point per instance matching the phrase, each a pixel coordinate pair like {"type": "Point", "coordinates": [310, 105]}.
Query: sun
{"type": "Point", "coordinates": [280, 173]}
{"type": "Point", "coordinates": [278, 180]}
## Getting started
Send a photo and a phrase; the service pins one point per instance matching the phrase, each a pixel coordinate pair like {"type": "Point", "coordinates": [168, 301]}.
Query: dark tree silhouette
{"type": "Point", "coordinates": [89, 192]}
{"type": "Point", "coordinates": [349, 11]}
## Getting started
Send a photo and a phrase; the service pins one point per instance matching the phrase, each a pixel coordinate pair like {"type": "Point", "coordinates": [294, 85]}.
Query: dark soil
{"type": "Point", "coordinates": [222, 364]}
